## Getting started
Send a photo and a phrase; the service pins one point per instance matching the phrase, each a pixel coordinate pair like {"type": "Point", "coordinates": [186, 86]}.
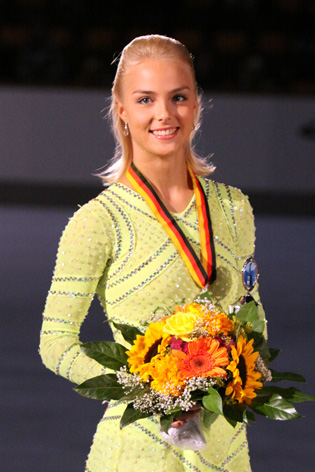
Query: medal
{"type": "Point", "coordinates": [202, 270]}
{"type": "Point", "coordinates": [250, 277]}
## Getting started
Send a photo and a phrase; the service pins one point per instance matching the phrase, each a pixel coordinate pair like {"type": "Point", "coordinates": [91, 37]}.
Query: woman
{"type": "Point", "coordinates": [118, 246]}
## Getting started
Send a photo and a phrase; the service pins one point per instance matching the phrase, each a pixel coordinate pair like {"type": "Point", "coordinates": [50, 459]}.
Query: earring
{"type": "Point", "coordinates": [126, 129]}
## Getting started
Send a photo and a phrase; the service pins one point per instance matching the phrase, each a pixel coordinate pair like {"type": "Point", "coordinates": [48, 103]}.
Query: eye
{"type": "Point", "coordinates": [179, 98]}
{"type": "Point", "coordinates": [145, 100]}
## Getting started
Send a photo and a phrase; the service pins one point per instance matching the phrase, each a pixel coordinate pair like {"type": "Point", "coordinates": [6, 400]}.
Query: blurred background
{"type": "Point", "coordinates": [264, 46]}
{"type": "Point", "coordinates": [255, 64]}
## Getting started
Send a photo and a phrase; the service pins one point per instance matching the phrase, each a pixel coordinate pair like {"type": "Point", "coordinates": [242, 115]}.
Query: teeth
{"type": "Point", "coordinates": [164, 132]}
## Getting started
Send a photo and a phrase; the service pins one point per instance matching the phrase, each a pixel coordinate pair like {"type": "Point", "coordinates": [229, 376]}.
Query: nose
{"type": "Point", "coordinates": [162, 110]}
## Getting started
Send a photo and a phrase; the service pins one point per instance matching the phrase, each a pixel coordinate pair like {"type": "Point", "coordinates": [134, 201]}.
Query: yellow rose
{"type": "Point", "coordinates": [181, 324]}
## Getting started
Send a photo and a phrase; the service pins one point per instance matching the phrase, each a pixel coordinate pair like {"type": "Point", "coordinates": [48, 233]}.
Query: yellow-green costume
{"type": "Point", "coordinates": [115, 247]}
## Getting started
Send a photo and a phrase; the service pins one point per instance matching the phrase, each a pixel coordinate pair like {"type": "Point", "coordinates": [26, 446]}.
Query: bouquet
{"type": "Point", "coordinates": [195, 356]}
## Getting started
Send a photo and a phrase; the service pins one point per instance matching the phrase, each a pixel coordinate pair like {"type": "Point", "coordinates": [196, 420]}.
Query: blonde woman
{"type": "Point", "coordinates": [116, 246]}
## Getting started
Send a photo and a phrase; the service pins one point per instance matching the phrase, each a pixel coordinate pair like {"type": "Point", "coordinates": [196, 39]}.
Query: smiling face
{"type": "Point", "coordinates": [159, 104]}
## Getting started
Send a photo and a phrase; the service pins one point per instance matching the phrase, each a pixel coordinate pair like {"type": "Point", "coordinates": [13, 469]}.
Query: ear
{"type": "Point", "coordinates": [121, 112]}
{"type": "Point", "coordinates": [195, 106]}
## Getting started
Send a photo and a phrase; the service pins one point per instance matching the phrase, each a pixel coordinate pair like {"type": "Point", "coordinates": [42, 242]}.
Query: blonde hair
{"type": "Point", "coordinates": [154, 47]}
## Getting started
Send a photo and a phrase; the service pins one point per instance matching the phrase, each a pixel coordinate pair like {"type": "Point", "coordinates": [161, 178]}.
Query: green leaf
{"type": "Point", "coordinates": [197, 395]}
{"type": "Point", "coordinates": [231, 421]}
{"type": "Point", "coordinates": [260, 400]}
{"type": "Point", "coordinates": [273, 353]}
{"type": "Point", "coordinates": [135, 393]}
{"type": "Point", "coordinates": [291, 394]}
{"type": "Point", "coordinates": [205, 296]}
{"type": "Point", "coordinates": [249, 416]}
{"type": "Point", "coordinates": [262, 347]}
{"type": "Point", "coordinates": [291, 376]}
{"type": "Point", "coordinates": [208, 417]}
{"type": "Point", "coordinates": [234, 413]}
{"type": "Point", "coordinates": [129, 333]}
{"type": "Point", "coordinates": [261, 313]}
{"type": "Point", "coordinates": [103, 387]}
{"type": "Point", "coordinates": [174, 410]}
{"type": "Point", "coordinates": [108, 353]}
{"type": "Point", "coordinates": [258, 339]}
{"type": "Point", "coordinates": [258, 326]}
{"type": "Point", "coordinates": [248, 312]}
{"type": "Point", "coordinates": [131, 415]}
{"type": "Point", "coordinates": [166, 421]}
{"type": "Point", "coordinates": [213, 401]}
{"type": "Point", "coordinates": [277, 408]}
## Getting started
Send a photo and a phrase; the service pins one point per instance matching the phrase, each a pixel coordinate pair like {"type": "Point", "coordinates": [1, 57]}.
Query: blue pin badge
{"type": "Point", "coordinates": [250, 277]}
{"type": "Point", "coordinates": [250, 274]}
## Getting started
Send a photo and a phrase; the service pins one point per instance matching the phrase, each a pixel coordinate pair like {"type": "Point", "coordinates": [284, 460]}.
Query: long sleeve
{"type": "Point", "coordinates": [85, 248]}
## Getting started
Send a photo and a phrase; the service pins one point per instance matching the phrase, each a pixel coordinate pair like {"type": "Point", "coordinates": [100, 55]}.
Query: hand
{"type": "Point", "coordinates": [186, 415]}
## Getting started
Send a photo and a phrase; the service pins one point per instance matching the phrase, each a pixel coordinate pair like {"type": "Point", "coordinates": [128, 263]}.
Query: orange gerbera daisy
{"type": "Point", "coordinates": [204, 359]}
{"type": "Point", "coordinates": [243, 369]}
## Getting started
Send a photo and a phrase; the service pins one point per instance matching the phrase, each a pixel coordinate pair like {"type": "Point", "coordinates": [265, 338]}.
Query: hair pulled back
{"type": "Point", "coordinates": [147, 47]}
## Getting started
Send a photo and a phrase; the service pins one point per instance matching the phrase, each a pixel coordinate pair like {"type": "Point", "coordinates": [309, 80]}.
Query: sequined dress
{"type": "Point", "coordinates": [114, 247]}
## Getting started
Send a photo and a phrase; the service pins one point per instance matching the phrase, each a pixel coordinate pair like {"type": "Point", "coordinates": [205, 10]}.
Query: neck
{"type": "Point", "coordinates": [166, 175]}
{"type": "Point", "coordinates": [170, 179]}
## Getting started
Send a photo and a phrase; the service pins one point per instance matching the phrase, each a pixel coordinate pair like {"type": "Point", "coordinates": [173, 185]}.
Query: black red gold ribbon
{"type": "Point", "coordinates": [203, 270]}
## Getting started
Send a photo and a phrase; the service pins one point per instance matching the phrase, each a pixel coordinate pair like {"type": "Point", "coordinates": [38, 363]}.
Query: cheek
{"type": "Point", "coordinates": [139, 121]}
{"type": "Point", "coordinates": [187, 114]}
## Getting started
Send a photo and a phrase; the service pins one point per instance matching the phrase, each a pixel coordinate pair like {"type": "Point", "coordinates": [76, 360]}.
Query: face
{"type": "Point", "coordinates": [159, 104]}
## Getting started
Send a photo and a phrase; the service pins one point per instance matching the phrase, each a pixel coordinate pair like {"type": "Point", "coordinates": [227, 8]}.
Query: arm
{"type": "Point", "coordinates": [84, 249]}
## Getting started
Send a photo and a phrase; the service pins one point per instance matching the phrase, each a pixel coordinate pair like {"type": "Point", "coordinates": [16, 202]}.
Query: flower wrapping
{"type": "Point", "coordinates": [194, 356]}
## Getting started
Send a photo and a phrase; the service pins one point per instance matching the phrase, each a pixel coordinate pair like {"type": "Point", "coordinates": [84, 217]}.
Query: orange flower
{"type": "Point", "coordinates": [217, 323]}
{"type": "Point", "coordinates": [165, 375]}
{"type": "Point", "coordinates": [204, 359]}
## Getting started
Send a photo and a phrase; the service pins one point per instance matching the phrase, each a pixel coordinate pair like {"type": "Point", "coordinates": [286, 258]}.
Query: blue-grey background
{"type": "Point", "coordinates": [59, 137]}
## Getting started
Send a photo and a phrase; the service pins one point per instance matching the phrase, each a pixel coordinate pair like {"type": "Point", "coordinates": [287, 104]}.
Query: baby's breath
{"type": "Point", "coordinates": [207, 303]}
{"type": "Point", "coordinates": [261, 367]}
{"type": "Point", "coordinates": [128, 381]}
{"type": "Point", "coordinates": [199, 331]}
{"type": "Point", "coordinates": [161, 403]}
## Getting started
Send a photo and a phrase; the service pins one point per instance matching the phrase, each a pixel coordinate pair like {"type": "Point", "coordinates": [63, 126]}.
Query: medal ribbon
{"type": "Point", "coordinates": [203, 270]}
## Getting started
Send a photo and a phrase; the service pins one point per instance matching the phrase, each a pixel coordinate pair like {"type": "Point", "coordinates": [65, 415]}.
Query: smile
{"type": "Point", "coordinates": [164, 132]}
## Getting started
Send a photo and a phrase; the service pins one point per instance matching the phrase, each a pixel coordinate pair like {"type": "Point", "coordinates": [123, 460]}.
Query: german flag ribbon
{"type": "Point", "coordinates": [202, 270]}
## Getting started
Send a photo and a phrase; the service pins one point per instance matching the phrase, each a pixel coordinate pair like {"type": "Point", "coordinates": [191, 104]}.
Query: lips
{"type": "Point", "coordinates": [164, 132]}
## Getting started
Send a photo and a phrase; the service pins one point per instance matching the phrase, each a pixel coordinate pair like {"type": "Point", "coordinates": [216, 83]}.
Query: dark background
{"type": "Point", "coordinates": [240, 45]}
{"type": "Point", "coordinates": [255, 63]}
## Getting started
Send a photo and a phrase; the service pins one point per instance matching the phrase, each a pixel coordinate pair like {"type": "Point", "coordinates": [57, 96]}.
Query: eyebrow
{"type": "Point", "coordinates": [148, 92]}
